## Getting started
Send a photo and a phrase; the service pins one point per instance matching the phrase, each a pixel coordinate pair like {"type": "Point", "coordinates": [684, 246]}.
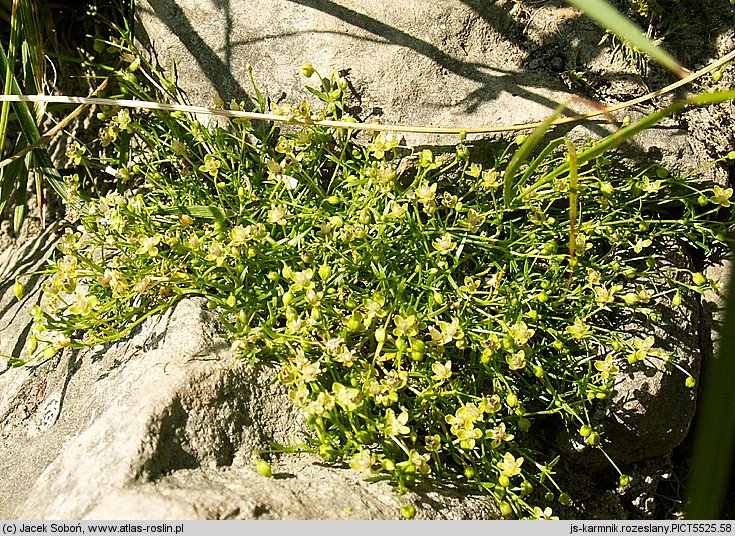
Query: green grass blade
{"type": "Point", "coordinates": [198, 211]}
{"type": "Point", "coordinates": [542, 156]}
{"type": "Point", "coordinates": [19, 213]}
{"type": "Point", "coordinates": [11, 176]}
{"type": "Point", "coordinates": [624, 134]}
{"type": "Point", "coordinates": [7, 69]}
{"type": "Point", "coordinates": [714, 435]}
{"type": "Point", "coordinates": [521, 155]}
{"type": "Point", "coordinates": [42, 161]}
{"type": "Point", "coordinates": [611, 19]}
{"type": "Point", "coordinates": [34, 57]}
{"type": "Point", "coordinates": [573, 185]}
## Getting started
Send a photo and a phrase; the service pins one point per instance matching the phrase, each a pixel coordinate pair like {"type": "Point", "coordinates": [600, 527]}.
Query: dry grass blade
{"type": "Point", "coordinates": [371, 126]}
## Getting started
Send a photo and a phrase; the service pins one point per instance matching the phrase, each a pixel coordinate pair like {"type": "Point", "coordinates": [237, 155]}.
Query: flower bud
{"type": "Point", "coordinates": [263, 468]}
{"type": "Point", "coordinates": [18, 290]}
{"type": "Point", "coordinates": [307, 69]}
{"type": "Point", "coordinates": [380, 335]}
{"type": "Point", "coordinates": [698, 278]}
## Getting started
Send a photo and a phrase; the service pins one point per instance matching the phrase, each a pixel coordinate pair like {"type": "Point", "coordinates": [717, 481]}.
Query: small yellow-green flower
{"type": "Point", "coordinates": [498, 434]}
{"type": "Point", "coordinates": [83, 304]}
{"type": "Point", "coordinates": [579, 329]}
{"type": "Point", "coordinates": [381, 144]}
{"type": "Point", "coordinates": [441, 372]}
{"type": "Point", "coordinates": [346, 397]}
{"type": "Point", "coordinates": [406, 327]}
{"type": "Point", "coordinates": [425, 193]}
{"type": "Point", "coordinates": [474, 170]}
{"type": "Point", "coordinates": [211, 165]}
{"type": "Point", "coordinates": [277, 214]}
{"type": "Point", "coordinates": [490, 179]}
{"type": "Point", "coordinates": [420, 461]}
{"type": "Point", "coordinates": [147, 245]}
{"type": "Point", "coordinates": [396, 425]}
{"type": "Point", "coordinates": [642, 349]}
{"type": "Point", "coordinates": [490, 404]}
{"type": "Point", "coordinates": [122, 119]}
{"type": "Point", "coordinates": [444, 245]}
{"type": "Point", "coordinates": [302, 280]}
{"type": "Point", "coordinates": [641, 244]}
{"type": "Point", "coordinates": [607, 368]}
{"type": "Point", "coordinates": [520, 333]}
{"type": "Point", "coordinates": [546, 513]}
{"type": "Point", "coordinates": [510, 466]}
{"type": "Point", "coordinates": [76, 153]}
{"type": "Point", "coordinates": [433, 443]}
{"type": "Point", "coordinates": [363, 462]}
{"type": "Point", "coordinates": [517, 360]}
{"type": "Point", "coordinates": [721, 196]}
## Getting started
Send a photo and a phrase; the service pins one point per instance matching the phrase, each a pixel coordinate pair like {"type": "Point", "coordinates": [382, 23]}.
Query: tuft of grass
{"type": "Point", "coordinates": [25, 48]}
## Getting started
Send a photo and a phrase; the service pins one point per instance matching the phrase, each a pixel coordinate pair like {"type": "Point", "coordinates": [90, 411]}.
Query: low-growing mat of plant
{"type": "Point", "coordinates": [422, 309]}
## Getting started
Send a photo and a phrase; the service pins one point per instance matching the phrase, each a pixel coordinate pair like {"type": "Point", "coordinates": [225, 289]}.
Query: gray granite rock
{"type": "Point", "coordinates": [165, 425]}
{"type": "Point", "coordinates": [447, 63]}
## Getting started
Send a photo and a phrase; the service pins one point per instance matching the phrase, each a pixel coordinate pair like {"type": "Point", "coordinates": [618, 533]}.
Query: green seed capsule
{"type": "Point", "coordinates": [32, 344]}
{"type": "Point", "coordinates": [355, 321]}
{"type": "Point", "coordinates": [263, 468]}
{"type": "Point", "coordinates": [698, 278]}
{"type": "Point", "coordinates": [18, 290]}
{"type": "Point", "coordinates": [380, 335]}
{"type": "Point", "coordinates": [408, 511]}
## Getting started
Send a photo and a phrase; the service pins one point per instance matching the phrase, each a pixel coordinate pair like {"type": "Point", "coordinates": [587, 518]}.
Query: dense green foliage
{"type": "Point", "coordinates": [421, 323]}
